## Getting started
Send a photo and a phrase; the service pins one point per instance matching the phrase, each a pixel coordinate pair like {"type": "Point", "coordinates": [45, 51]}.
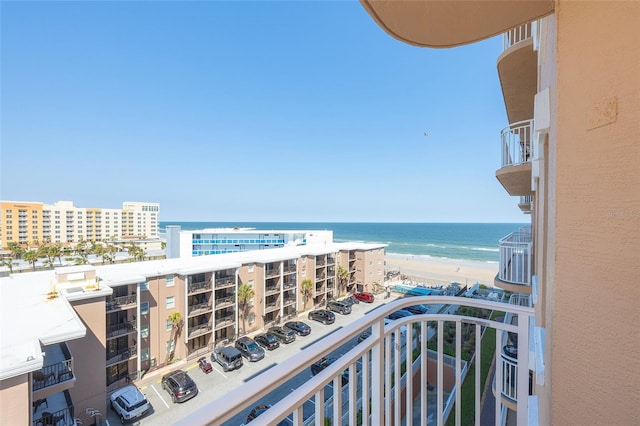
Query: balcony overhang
{"type": "Point", "coordinates": [508, 286]}
{"type": "Point", "coordinates": [516, 179]}
{"type": "Point", "coordinates": [517, 69]}
{"type": "Point", "coordinates": [442, 23]}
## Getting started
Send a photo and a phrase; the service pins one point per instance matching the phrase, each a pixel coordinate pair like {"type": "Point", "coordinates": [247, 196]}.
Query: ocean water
{"type": "Point", "coordinates": [466, 241]}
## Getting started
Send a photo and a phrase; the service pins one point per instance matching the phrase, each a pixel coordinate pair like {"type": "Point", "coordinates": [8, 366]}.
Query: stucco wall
{"type": "Point", "coordinates": [594, 363]}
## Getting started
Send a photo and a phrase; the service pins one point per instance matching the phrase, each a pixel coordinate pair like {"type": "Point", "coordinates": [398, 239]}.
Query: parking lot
{"type": "Point", "coordinates": [217, 383]}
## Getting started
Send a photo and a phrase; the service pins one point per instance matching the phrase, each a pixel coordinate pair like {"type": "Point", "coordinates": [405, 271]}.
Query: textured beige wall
{"type": "Point", "coordinates": [15, 400]}
{"type": "Point", "coordinates": [595, 369]}
{"type": "Point", "coordinates": [89, 359]}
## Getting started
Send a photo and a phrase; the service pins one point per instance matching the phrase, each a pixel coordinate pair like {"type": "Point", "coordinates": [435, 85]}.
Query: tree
{"type": "Point", "coordinates": [8, 262]}
{"type": "Point", "coordinates": [176, 328]}
{"type": "Point", "coordinates": [163, 245]}
{"type": "Point", "coordinates": [245, 294]}
{"type": "Point", "coordinates": [16, 250]}
{"type": "Point", "coordinates": [343, 278]}
{"type": "Point", "coordinates": [55, 251]}
{"type": "Point", "coordinates": [307, 287]}
{"type": "Point", "coordinates": [136, 252]}
{"type": "Point", "coordinates": [31, 256]}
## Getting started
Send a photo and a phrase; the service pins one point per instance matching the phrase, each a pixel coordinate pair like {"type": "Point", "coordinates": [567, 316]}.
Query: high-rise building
{"type": "Point", "coordinates": [62, 222]}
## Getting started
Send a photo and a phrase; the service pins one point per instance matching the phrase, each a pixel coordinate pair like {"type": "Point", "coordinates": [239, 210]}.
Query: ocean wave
{"type": "Point", "coordinates": [495, 250]}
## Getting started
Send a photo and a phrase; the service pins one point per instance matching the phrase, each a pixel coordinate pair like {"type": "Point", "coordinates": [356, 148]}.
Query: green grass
{"type": "Point", "coordinates": [487, 347]}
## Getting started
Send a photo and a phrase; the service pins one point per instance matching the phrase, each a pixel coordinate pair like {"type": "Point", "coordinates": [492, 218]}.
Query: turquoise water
{"type": "Point", "coordinates": [466, 241]}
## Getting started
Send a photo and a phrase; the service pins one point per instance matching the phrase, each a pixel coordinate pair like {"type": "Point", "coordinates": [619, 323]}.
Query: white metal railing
{"type": "Point", "coordinates": [373, 367]}
{"type": "Point", "coordinates": [516, 35]}
{"type": "Point", "coordinates": [515, 258]}
{"type": "Point", "coordinates": [516, 142]}
{"type": "Point", "coordinates": [510, 377]}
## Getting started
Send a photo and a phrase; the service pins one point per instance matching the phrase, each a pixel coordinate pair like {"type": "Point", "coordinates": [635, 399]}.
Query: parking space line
{"type": "Point", "coordinates": [219, 372]}
{"type": "Point", "coordinates": [192, 367]}
{"type": "Point", "coordinates": [159, 396]}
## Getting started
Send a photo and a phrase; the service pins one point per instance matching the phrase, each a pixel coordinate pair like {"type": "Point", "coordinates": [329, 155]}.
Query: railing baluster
{"type": "Point", "coordinates": [397, 358]}
{"type": "Point", "coordinates": [440, 375]}
{"type": "Point", "coordinates": [498, 369]}
{"type": "Point", "coordinates": [424, 373]}
{"type": "Point", "coordinates": [458, 371]}
{"type": "Point", "coordinates": [478, 358]}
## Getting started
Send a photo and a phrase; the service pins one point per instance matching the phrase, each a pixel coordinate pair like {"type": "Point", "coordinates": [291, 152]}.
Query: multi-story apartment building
{"type": "Point", "coordinates": [234, 240]}
{"type": "Point", "coordinates": [100, 328]}
{"type": "Point", "coordinates": [570, 152]}
{"type": "Point", "coordinates": [62, 222]}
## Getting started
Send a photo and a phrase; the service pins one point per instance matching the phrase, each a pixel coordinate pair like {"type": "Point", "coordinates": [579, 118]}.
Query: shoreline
{"type": "Point", "coordinates": [442, 270]}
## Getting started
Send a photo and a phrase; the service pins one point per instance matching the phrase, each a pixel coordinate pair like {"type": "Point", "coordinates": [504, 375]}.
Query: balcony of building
{"type": "Point", "coordinates": [516, 260]}
{"type": "Point", "coordinates": [56, 375]}
{"type": "Point", "coordinates": [526, 204]}
{"type": "Point", "coordinates": [199, 308]}
{"type": "Point", "coordinates": [118, 356]}
{"type": "Point", "coordinates": [271, 304]}
{"type": "Point", "coordinates": [290, 269]}
{"type": "Point", "coordinates": [121, 329]}
{"type": "Point", "coordinates": [377, 375]}
{"type": "Point", "coordinates": [320, 262]}
{"type": "Point", "coordinates": [321, 275]}
{"type": "Point", "coordinates": [224, 282]}
{"type": "Point", "coordinates": [289, 299]}
{"type": "Point", "coordinates": [196, 329]}
{"type": "Point", "coordinates": [271, 288]}
{"type": "Point", "coordinates": [224, 321]}
{"type": "Point", "coordinates": [121, 303]}
{"type": "Point", "coordinates": [198, 287]}
{"type": "Point", "coordinates": [331, 260]}
{"type": "Point", "coordinates": [447, 24]}
{"type": "Point", "coordinates": [55, 409]}
{"type": "Point", "coordinates": [515, 171]}
{"type": "Point", "coordinates": [271, 272]}
{"type": "Point", "coordinates": [290, 283]}
{"type": "Point", "coordinates": [225, 301]}
{"type": "Point", "coordinates": [518, 70]}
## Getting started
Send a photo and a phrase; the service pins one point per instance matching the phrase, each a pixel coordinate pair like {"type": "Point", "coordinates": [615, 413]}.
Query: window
{"type": "Point", "coordinates": [250, 267]}
{"type": "Point", "coordinates": [144, 308]}
{"type": "Point", "coordinates": [169, 325]}
{"type": "Point", "coordinates": [144, 354]}
{"type": "Point", "coordinates": [170, 302]}
{"type": "Point", "coordinates": [250, 283]}
{"type": "Point", "coordinates": [170, 282]}
{"type": "Point", "coordinates": [144, 331]}
{"type": "Point", "coordinates": [144, 286]}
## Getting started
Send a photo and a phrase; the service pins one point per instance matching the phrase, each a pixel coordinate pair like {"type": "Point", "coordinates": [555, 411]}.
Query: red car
{"type": "Point", "coordinates": [365, 297]}
{"type": "Point", "coordinates": [205, 365]}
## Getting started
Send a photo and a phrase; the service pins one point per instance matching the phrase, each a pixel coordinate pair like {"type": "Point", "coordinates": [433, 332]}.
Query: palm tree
{"type": "Point", "coordinates": [55, 251]}
{"type": "Point", "coordinates": [307, 286]}
{"type": "Point", "coordinates": [176, 327]}
{"type": "Point", "coordinates": [16, 250]}
{"type": "Point", "coordinates": [31, 256]}
{"type": "Point", "coordinates": [343, 278]}
{"type": "Point", "coordinates": [8, 262]}
{"type": "Point", "coordinates": [245, 294]}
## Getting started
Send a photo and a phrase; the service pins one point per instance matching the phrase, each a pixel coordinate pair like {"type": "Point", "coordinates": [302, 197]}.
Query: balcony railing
{"type": "Point", "coordinates": [289, 269]}
{"type": "Point", "coordinates": [52, 374]}
{"type": "Point", "coordinates": [373, 369]}
{"type": "Point", "coordinates": [224, 321]}
{"type": "Point", "coordinates": [62, 417]}
{"type": "Point", "coordinates": [121, 302]}
{"type": "Point", "coordinates": [223, 302]}
{"type": "Point", "coordinates": [200, 308]}
{"type": "Point", "coordinates": [198, 330]}
{"type": "Point", "coordinates": [516, 35]}
{"type": "Point", "coordinates": [516, 142]}
{"type": "Point", "coordinates": [225, 282]}
{"type": "Point", "coordinates": [200, 286]}
{"type": "Point", "coordinates": [272, 272]}
{"type": "Point", "coordinates": [515, 258]}
{"type": "Point", "coordinates": [115, 357]}
{"type": "Point", "coordinates": [121, 329]}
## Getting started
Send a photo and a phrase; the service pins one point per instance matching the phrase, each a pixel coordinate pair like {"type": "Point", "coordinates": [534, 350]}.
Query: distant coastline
{"type": "Point", "coordinates": [476, 242]}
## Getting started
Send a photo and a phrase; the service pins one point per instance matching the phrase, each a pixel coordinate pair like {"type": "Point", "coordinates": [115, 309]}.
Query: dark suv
{"type": "Point", "coordinates": [249, 349]}
{"type": "Point", "coordinates": [285, 335]}
{"type": "Point", "coordinates": [228, 357]}
{"type": "Point", "coordinates": [179, 385]}
{"type": "Point", "coordinates": [322, 315]}
{"type": "Point", "coordinates": [340, 307]}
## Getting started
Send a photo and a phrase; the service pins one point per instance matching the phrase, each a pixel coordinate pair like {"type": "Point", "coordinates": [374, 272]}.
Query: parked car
{"type": "Point", "coordinates": [129, 403]}
{"type": "Point", "coordinates": [301, 328]}
{"type": "Point", "coordinates": [205, 365]}
{"type": "Point", "coordinates": [350, 300]}
{"type": "Point", "coordinates": [179, 385]}
{"type": "Point", "coordinates": [249, 349]}
{"type": "Point", "coordinates": [323, 363]}
{"type": "Point", "coordinates": [417, 309]}
{"type": "Point", "coordinates": [283, 334]}
{"type": "Point", "coordinates": [268, 341]}
{"type": "Point", "coordinates": [340, 307]}
{"type": "Point", "coordinates": [400, 313]}
{"type": "Point", "coordinates": [228, 357]}
{"type": "Point", "coordinates": [365, 297]}
{"type": "Point", "coordinates": [261, 408]}
{"type": "Point", "coordinates": [322, 315]}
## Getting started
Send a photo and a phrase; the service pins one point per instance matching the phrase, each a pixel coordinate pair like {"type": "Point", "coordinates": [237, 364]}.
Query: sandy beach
{"type": "Point", "coordinates": [434, 271]}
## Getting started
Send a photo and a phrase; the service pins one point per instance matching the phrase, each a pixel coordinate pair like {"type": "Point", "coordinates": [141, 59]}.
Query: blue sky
{"type": "Point", "coordinates": [247, 111]}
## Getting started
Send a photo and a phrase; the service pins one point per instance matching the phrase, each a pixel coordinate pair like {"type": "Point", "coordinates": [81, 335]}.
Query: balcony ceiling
{"type": "Point", "coordinates": [517, 68]}
{"type": "Point", "coordinates": [447, 23]}
{"type": "Point", "coordinates": [516, 179]}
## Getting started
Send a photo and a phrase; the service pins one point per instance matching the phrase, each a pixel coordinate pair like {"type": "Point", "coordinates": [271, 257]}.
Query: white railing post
{"type": "Point", "coordinates": [377, 374]}
{"type": "Point", "coordinates": [523, 369]}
